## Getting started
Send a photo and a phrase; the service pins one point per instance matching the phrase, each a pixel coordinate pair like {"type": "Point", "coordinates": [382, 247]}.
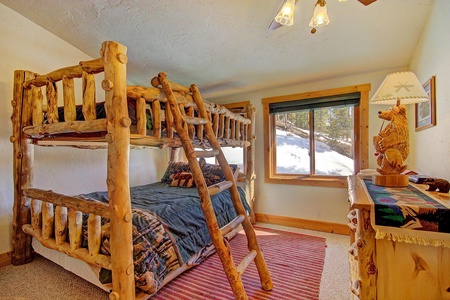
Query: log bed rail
{"type": "Point", "coordinates": [55, 219]}
{"type": "Point", "coordinates": [229, 127]}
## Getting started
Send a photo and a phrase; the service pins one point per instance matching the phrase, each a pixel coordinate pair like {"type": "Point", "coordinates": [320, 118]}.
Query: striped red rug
{"type": "Point", "coordinates": [295, 262]}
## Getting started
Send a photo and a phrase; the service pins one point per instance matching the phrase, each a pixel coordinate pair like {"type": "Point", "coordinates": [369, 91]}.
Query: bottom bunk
{"type": "Point", "coordinates": [170, 235]}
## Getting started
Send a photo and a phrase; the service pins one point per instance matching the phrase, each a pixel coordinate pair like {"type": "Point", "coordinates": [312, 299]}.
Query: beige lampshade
{"type": "Point", "coordinates": [402, 86]}
{"type": "Point", "coordinates": [320, 15]}
{"type": "Point", "coordinates": [286, 15]}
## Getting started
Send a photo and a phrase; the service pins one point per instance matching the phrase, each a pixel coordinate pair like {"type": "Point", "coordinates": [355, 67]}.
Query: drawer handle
{"type": "Point", "coordinates": [352, 227]}
{"type": "Point", "coordinates": [353, 251]}
{"type": "Point", "coordinates": [352, 216]}
{"type": "Point", "coordinates": [356, 287]}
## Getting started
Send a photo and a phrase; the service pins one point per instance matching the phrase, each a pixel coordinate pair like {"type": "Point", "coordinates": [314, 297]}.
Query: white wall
{"type": "Point", "coordinates": [432, 57]}
{"type": "Point", "coordinates": [26, 46]}
{"type": "Point", "coordinates": [304, 202]}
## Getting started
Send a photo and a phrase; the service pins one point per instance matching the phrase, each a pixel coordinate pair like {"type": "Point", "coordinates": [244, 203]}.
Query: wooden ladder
{"type": "Point", "coordinates": [233, 272]}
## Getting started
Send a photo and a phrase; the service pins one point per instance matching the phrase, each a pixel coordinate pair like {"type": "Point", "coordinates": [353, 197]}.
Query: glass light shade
{"type": "Point", "coordinates": [286, 14]}
{"type": "Point", "coordinates": [320, 16]}
{"type": "Point", "coordinates": [402, 86]}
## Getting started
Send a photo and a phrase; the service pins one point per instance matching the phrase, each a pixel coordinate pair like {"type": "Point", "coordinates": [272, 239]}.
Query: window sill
{"type": "Point", "coordinates": [337, 182]}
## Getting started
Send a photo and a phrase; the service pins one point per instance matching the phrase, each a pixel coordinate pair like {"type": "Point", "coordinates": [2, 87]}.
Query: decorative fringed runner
{"type": "Point", "coordinates": [295, 262]}
{"type": "Point", "coordinates": [409, 215]}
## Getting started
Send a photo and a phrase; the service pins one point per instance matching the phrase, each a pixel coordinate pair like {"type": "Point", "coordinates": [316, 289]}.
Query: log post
{"type": "Point", "coordinates": [70, 111]}
{"type": "Point", "coordinates": [52, 102]}
{"type": "Point", "coordinates": [246, 127]}
{"type": "Point", "coordinates": [221, 125]}
{"type": "Point", "coordinates": [250, 161]}
{"type": "Point", "coordinates": [115, 86]}
{"type": "Point", "coordinates": [36, 213]}
{"type": "Point", "coordinates": [200, 132]}
{"type": "Point", "coordinates": [88, 86]}
{"type": "Point", "coordinates": [38, 114]}
{"type": "Point", "coordinates": [169, 121]}
{"type": "Point", "coordinates": [215, 124]}
{"type": "Point", "coordinates": [23, 153]}
{"type": "Point", "coordinates": [238, 130]}
{"type": "Point", "coordinates": [227, 127]}
{"type": "Point", "coordinates": [141, 116]}
{"type": "Point", "coordinates": [75, 228]}
{"type": "Point", "coordinates": [94, 234]}
{"type": "Point", "coordinates": [156, 108]}
{"type": "Point", "coordinates": [60, 224]}
{"type": "Point", "coordinates": [48, 219]}
{"type": "Point", "coordinates": [191, 128]}
{"type": "Point", "coordinates": [210, 116]}
{"type": "Point", "coordinates": [233, 129]}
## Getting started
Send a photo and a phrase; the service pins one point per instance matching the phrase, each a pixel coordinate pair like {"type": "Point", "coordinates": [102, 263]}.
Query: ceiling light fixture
{"type": "Point", "coordinates": [320, 16]}
{"type": "Point", "coordinates": [286, 14]}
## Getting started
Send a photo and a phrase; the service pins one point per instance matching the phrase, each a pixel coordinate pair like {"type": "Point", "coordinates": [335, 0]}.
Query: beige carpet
{"type": "Point", "coordinates": [43, 280]}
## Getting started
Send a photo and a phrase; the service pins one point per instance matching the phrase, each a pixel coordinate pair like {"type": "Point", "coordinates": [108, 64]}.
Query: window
{"type": "Point", "coordinates": [234, 156]}
{"type": "Point", "coordinates": [316, 138]}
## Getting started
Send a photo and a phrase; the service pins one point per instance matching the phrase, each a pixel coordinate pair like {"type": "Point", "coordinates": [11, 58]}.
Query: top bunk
{"type": "Point", "coordinates": [79, 115]}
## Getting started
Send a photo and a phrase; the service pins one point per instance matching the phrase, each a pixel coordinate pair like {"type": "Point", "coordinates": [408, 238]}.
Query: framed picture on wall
{"type": "Point", "coordinates": [426, 111]}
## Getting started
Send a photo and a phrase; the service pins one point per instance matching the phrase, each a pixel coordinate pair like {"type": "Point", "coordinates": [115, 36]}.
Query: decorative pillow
{"type": "Point", "coordinates": [213, 173]}
{"type": "Point", "coordinates": [174, 168]}
{"type": "Point", "coordinates": [183, 179]}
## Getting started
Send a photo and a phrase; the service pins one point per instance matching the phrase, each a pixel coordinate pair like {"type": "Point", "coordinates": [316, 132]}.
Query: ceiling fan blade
{"type": "Point", "coordinates": [367, 2]}
{"type": "Point", "coordinates": [274, 25]}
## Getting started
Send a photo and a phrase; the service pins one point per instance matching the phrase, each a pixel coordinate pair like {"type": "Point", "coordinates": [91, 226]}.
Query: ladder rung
{"type": "Point", "coordinates": [195, 120]}
{"type": "Point", "coordinates": [246, 261]}
{"type": "Point", "coordinates": [219, 187]}
{"type": "Point", "coordinates": [204, 153]}
{"type": "Point", "coordinates": [232, 225]}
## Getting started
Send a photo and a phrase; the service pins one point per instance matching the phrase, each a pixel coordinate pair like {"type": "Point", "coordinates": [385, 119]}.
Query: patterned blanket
{"type": "Point", "coordinates": [168, 228]}
{"type": "Point", "coordinates": [409, 210]}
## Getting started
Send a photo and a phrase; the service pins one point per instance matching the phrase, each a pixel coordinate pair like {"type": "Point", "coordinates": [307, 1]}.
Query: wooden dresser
{"type": "Point", "coordinates": [383, 269]}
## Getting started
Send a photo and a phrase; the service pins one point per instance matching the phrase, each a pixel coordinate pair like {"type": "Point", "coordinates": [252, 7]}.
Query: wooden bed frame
{"type": "Point", "coordinates": [45, 215]}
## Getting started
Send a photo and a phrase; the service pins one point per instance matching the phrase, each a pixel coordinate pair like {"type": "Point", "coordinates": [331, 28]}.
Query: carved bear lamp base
{"type": "Point", "coordinates": [398, 180]}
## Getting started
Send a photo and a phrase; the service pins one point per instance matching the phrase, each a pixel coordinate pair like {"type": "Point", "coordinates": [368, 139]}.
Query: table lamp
{"type": "Point", "coordinates": [392, 142]}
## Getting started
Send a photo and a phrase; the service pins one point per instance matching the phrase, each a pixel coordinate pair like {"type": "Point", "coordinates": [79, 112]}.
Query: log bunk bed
{"type": "Point", "coordinates": [78, 226]}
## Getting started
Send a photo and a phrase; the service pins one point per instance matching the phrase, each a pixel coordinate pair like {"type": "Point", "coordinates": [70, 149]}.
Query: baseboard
{"type": "Point", "coordinates": [5, 259]}
{"type": "Point", "coordinates": [304, 224]}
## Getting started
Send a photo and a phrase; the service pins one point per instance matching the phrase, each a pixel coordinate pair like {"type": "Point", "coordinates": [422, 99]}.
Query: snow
{"type": "Point", "coordinates": [293, 157]}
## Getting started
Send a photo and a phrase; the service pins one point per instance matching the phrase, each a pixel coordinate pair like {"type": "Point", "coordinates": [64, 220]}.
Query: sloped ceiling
{"type": "Point", "coordinates": [225, 47]}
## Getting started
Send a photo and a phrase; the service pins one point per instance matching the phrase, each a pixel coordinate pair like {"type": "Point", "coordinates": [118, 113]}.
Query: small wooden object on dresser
{"type": "Point", "coordinates": [384, 269]}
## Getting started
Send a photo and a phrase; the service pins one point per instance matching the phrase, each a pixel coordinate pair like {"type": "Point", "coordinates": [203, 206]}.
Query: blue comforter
{"type": "Point", "coordinates": [168, 228]}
